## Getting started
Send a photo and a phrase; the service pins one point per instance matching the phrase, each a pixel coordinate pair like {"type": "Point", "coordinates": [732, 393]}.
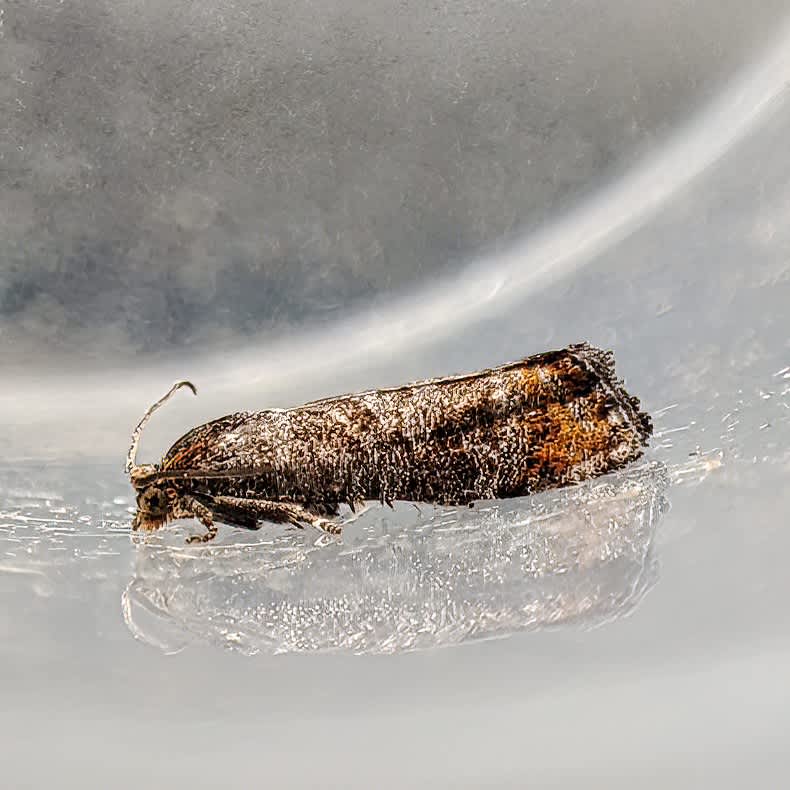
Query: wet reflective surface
{"type": "Point", "coordinates": [92, 620]}
{"type": "Point", "coordinates": [395, 583]}
{"type": "Point", "coordinates": [406, 579]}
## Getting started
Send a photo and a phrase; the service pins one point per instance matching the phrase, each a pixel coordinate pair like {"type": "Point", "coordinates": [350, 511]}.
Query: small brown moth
{"type": "Point", "coordinates": [547, 421]}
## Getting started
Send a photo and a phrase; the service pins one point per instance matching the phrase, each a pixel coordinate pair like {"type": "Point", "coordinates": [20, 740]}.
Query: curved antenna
{"type": "Point", "coordinates": [131, 456]}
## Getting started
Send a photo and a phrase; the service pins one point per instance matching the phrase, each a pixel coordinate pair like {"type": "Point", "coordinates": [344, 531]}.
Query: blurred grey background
{"type": "Point", "coordinates": [180, 174]}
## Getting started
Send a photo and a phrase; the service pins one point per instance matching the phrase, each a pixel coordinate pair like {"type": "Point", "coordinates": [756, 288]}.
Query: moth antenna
{"type": "Point", "coordinates": [131, 456]}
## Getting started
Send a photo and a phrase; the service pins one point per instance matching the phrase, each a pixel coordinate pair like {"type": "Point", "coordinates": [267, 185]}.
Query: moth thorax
{"type": "Point", "coordinates": [140, 473]}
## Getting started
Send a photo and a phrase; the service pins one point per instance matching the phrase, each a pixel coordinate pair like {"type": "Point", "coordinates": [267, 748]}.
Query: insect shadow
{"type": "Point", "coordinates": [408, 579]}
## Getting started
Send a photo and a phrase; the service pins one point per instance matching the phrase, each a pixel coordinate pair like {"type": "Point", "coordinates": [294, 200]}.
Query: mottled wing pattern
{"type": "Point", "coordinates": [216, 447]}
{"type": "Point", "coordinates": [547, 421]}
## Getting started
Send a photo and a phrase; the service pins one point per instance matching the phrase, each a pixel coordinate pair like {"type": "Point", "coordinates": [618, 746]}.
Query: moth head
{"type": "Point", "coordinates": [154, 503]}
{"type": "Point", "coordinates": [153, 507]}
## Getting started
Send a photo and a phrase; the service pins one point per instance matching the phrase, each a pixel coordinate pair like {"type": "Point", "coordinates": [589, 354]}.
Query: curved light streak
{"type": "Point", "coordinates": [497, 282]}
{"type": "Point", "coordinates": [488, 287]}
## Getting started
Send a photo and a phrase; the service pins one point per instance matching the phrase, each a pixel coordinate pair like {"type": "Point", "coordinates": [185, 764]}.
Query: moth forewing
{"type": "Point", "coordinates": [547, 421]}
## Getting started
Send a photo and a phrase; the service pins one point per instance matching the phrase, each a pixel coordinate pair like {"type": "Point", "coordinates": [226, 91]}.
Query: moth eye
{"type": "Point", "coordinates": [153, 500]}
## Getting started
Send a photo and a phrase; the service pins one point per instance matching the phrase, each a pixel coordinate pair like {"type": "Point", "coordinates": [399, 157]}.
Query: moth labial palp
{"type": "Point", "coordinates": [546, 421]}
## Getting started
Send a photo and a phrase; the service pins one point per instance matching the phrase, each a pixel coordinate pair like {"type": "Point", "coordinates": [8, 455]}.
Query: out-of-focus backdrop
{"type": "Point", "coordinates": [187, 173]}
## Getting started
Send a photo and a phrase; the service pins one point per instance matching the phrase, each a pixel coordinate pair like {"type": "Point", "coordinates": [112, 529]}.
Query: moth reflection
{"type": "Point", "coordinates": [408, 579]}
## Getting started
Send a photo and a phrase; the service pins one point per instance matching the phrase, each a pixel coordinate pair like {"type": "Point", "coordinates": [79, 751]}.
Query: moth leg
{"type": "Point", "coordinates": [189, 507]}
{"type": "Point", "coordinates": [280, 513]}
{"type": "Point", "coordinates": [326, 525]}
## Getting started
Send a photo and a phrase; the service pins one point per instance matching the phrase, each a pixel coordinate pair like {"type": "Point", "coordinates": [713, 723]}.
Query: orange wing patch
{"type": "Point", "coordinates": [184, 458]}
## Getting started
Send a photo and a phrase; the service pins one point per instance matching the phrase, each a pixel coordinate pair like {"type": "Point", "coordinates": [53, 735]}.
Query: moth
{"type": "Point", "coordinates": [546, 421]}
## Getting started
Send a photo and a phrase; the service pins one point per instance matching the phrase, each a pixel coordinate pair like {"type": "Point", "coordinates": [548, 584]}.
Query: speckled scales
{"type": "Point", "coordinates": [547, 421]}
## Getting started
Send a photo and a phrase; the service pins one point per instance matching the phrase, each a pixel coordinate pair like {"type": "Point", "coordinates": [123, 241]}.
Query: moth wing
{"type": "Point", "coordinates": [227, 447]}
